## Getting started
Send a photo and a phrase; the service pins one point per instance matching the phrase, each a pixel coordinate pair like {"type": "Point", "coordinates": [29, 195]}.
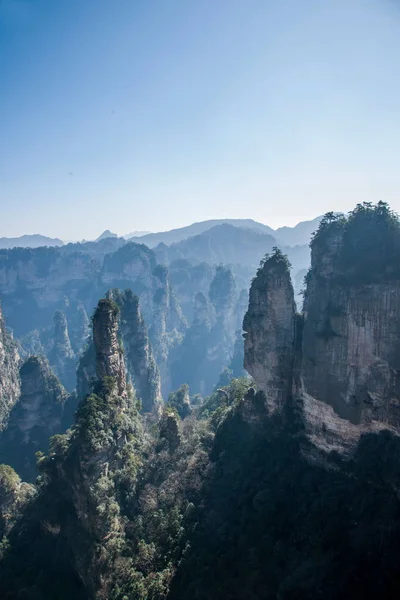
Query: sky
{"type": "Point", "coordinates": [153, 114]}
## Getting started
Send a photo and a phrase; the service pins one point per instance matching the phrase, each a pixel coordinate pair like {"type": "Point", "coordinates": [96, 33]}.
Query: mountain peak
{"type": "Point", "coordinates": [106, 234]}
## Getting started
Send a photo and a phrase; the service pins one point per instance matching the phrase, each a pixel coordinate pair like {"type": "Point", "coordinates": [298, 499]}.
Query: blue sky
{"type": "Point", "coordinates": [151, 114]}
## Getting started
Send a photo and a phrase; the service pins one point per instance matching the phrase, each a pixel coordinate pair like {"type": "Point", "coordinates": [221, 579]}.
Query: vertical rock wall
{"type": "Point", "coordinates": [109, 353]}
{"type": "Point", "coordinates": [139, 359]}
{"type": "Point", "coordinates": [269, 327]}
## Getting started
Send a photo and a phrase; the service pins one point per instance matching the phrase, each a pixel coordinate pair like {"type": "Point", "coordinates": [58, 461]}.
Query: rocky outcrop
{"type": "Point", "coordinates": [169, 431]}
{"type": "Point", "coordinates": [80, 330]}
{"type": "Point", "coordinates": [340, 361]}
{"type": "Point", "coordinates": [350, 361]}
{"type": "Point", "coordinates": [76, 519]}
{"type": "Point", "coordinates": [34, 283]}
{"type": "Point", "coordinates": [86, 371]}
{"type": "Point", "coordinates": [351, 340]}
{"type": "Point", "coordinates": [134, 266]}
{"type": "Point", "coordinates": [9, 373]}
{"type": "Point", "coordinates": [221, 339]}
{"type": "Point", "coordinates": [222, 292]}
{"type": "Point", "coordinates": [137, 355]}
{"type": "Point", "coordinates": [140, 363]}
{"type": "Point", "coordinates": [167, 323]}
{"type": "Point", "coordinates": [41, 412]}
{"type": "Point", "coordinates": [269, 327]}
{"type": "Point", "coordinates": [62, 357]}
{"type": "Point", "coordinates": [188, 280]}
{"type": "Point", "coordinates": [208, 345]}
{"type": "Point", "coordinates": [131, 263]}
{"type": "Point", "coordinates": [109, 353]}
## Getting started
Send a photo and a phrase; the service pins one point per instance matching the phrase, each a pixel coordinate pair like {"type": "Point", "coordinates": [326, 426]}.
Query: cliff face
{"type": "Point", "coordinates": [132, 262]}
{"type": "Point", "coordinates": [140, 362]}
{"type": "Point", "coordinates": [40, 413]}
{"type": "Point", "coordinates": [188, 280]}
{"type": "Point", "coordinates": [80, 331]}
{"type": "Point", "coordinates": [309, 488]}
{"type": "Point", "coordinates": [208, 346]}
{"type": "Point", "coordinates": [86, 371]}
{"type": "Point", "coordinates": [34, 283]}
{"type": "Point", "coordinates": [62, 357]}
{"type": "Point", "coordinates": [168, 324]}
{"type": "Point", "coordinates": [249, 474]}
{"type": "Point", "coordinates": [109, 354]}
{"type": "Point", "coordinates": [188, 360]}
{"type": "Point", "coordinates": [340, 362]}
{"type": "Point", "coordinates": [269, 327]}
{"type": "Point", "coordinates": [351, 342]}
{"type": "Point", "coordinates": [134, 266]}
{"type": "Point", "coordinates": [136, 357]}
{"type": "Point", "coordinates": [9, 373]}
{"type": "Point", "coordinates": [221, 339]}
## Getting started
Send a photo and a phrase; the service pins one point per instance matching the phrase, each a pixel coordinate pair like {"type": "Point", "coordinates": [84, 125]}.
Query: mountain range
{"type": "Point", "coordinates": [287, 236]}
{"type": "Point", "coordinates": [279, 484]}
{"type": "Point", "coordinates": [30, 241]}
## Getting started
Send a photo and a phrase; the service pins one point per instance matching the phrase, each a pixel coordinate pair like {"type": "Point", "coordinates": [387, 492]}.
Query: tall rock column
{"type": "Point", "coordinates": [9, 373]}
{"type": "Point", "coordinates": [221, 340]}
{"type": "Point", "coordinates": [80, 331]}
{"type": "Point", "coordinates": [189, 361]}
{"type": "Point", "coordinates": [140, 361]}
{"type": "Point", "coordinates": [168, 323]}
{"type": "Point", "coordinates": [269, 327]}
{"type": "Point", "coordinates": [62, 357]}
{"type": "Point", "coordinates": [109, 354]}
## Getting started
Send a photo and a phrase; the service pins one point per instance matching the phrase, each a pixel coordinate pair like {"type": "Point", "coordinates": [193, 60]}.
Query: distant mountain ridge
{"type": "Point", "coordinates": [30, 241]}
{"type": "Point", "coordinates": [298, 235]}
{"type": "Point", "coordinates": [106, 234]}
{"type": "Point", "coordinates": [183, 233]}
{"type": "Point", "coordinates": [128, 236]}
{"type": "Point", "coordinates": [223, 243]}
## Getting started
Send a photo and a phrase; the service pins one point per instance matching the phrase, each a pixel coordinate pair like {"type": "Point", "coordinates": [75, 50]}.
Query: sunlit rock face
{"type": "Point", "coordinates": [351, 341]}
{"type": "Point", "coordinates": [269, 327]}
{"type": "Point", "coordinates": [109, 353]}
{"type": "Point", "coordinates": [340, 361]}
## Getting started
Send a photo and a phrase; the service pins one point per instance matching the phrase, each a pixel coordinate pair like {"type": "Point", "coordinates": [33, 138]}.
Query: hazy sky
{"type": "Point", "coordinates": [151, 114]}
